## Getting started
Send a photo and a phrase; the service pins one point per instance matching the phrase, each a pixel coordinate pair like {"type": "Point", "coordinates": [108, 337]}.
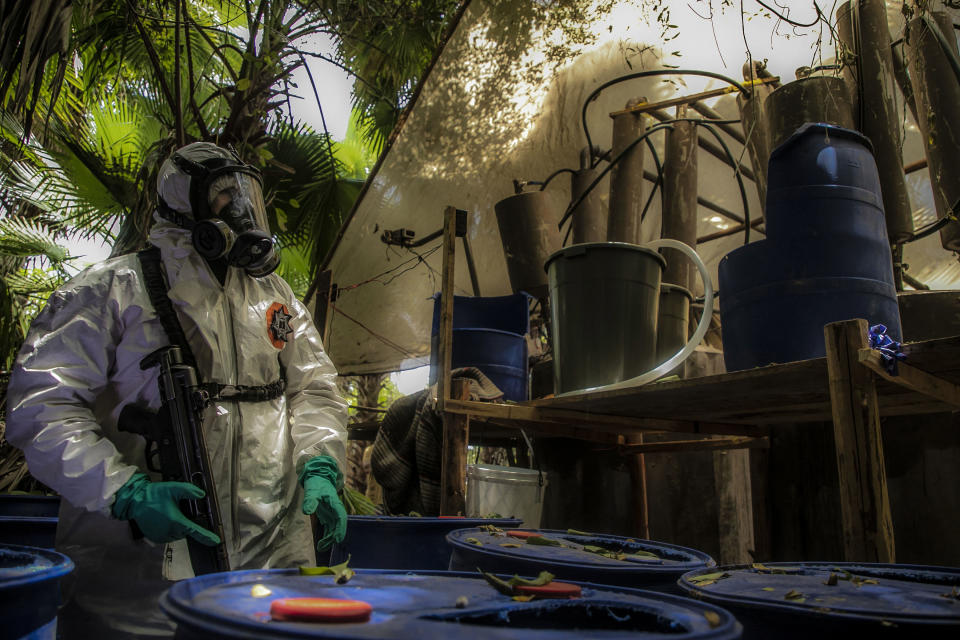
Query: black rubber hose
{"type": "Point", "coordinates": [743, 191]}
{"type": "Point", "coordinates": [543, 185]}
{"type": "Point", "coordinates": [613, 162]}
{"type": "Point", "coordinates": [659, 181]}
{"type": "Point", "coordinates": [646, 74]}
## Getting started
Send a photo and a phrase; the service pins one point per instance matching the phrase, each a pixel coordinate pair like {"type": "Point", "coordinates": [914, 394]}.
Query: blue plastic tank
{"type": "Point", "coordinates": [29, 505]}
{"type": "Point", "coordinates": [821, 172]}
{"type": "Point", "coordinates": [29, 520]}
{"type": "Point", "coordinates": [645, 564]}
{"type": "Point", "coordinates": [401, 542]}
{"type": "Point", "coordinates": [424, 606]}
{"type": "Point", "coordinates": [826, 257]}
{"type": "Point", "coordinates": [489, 334]}
{"type": "Point", "coordinates": [30, 591]}
{"type": "Point", "coordinates": [770, 317]}
{"type": "Point", "coordinates": [834, 600]}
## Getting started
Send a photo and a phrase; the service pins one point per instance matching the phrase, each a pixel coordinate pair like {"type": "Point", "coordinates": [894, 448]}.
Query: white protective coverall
{"type": "Point", "coordinates": [80, 365]}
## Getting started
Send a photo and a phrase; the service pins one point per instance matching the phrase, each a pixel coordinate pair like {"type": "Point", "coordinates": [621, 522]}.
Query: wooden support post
{"type": "Point", "coordinates": [445, 337]}
{"type": "Point", "coordinates": [323, 312]}
{"type": "Point", "coordinates": [680, 199]}
{"type": "Point", "coordinates": [865, 505]}
{"type": "Point", "coordinates": [731, 473]}
{"type": "Point", "coordinates": [638, 481]}
{"type": "Point", "coordinates": [453, 469]}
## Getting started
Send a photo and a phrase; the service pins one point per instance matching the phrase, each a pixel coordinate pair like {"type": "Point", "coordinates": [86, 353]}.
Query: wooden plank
{"type": "Point", "coordinates": [708, 444]}
{"type": "Point", "coordinates": [445, 335]}
{"type": "Point", "coordinates": [453, 468]}
{"type": "Point", "coordinates": [731, 472]}
{"type": "Point", "coordinates": [599, 421]}
{"type": "Point", "coordinates": [865, 505]}
{"type": "Point", "coordinates": [643, 107]}
{"type": "Point", "coordinates": [912, 378]}
{"type": "Point", "coordinates": [321, 313]}
{"type": "Point", "coordinates": [638, 487]}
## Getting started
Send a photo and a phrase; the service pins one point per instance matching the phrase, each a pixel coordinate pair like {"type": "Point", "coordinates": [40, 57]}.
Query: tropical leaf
{"type": "Point", "coordinates": [21, 237]}
{"type": "Point", "coordinates": [29, 282]}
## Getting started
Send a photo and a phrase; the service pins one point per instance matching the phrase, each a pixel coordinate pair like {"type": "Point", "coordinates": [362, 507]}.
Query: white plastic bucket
{"type": "Point", "coordinates": [507, 491]}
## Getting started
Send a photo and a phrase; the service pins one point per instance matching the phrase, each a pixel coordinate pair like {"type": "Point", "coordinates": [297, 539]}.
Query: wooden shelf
{"type": "Point", "coordinates": [849, 387]}
{"type": "Point", "coordinates": [783, 393]}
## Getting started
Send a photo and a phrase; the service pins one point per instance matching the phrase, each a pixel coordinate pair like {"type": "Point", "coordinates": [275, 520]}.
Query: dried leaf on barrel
{"type": "Point", "coordinates": [708, 578]}
{"type": "Point", "coordinates": [474, 541]}
{"type": "Point", "coordinates": [713, 618]}
{"type": "Point", "coordinates": [544, 542]}
{"type": "Point", "coordinates": [795, 596]}
{"type": "Point", "coordinates": [506, 587]}
{"type": "Point", "coordinates": [340, 572]}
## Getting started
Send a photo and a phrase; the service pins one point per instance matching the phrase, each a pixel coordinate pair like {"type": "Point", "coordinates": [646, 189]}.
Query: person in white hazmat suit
{"type": "Point", "coordinates": [273, 460]}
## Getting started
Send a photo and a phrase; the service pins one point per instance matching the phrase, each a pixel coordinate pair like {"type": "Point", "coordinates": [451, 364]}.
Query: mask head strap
{"type": "Point", "coordinates": [202, 174]}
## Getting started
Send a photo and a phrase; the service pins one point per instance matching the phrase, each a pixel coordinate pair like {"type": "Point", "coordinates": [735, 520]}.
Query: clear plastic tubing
{"type": "Point", "coordinates": [695, 339]}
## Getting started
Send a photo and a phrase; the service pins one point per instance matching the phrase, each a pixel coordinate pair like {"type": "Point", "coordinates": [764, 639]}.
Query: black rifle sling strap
{"type": "Point", "coordinates": [156, 284]}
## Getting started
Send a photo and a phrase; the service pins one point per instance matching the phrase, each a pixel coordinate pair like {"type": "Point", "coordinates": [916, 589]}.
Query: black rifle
{"type": "Point", "coordinates": [176, 448]}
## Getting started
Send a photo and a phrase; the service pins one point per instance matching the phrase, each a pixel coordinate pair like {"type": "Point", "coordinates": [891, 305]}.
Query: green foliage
{"type": "Point", "coordinates": [388, 45]}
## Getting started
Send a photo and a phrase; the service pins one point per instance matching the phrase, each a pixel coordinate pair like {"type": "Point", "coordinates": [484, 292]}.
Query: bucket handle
{"type": "Point", "coordinates": [695, 339]}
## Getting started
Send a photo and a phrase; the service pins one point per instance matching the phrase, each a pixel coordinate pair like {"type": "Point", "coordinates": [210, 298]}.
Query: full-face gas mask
{"type": "Point", "coordinates": [229, 218]}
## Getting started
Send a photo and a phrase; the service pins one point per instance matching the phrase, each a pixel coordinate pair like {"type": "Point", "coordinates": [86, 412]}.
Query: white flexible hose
{"type": "Point", "coordinates": [695, 340]}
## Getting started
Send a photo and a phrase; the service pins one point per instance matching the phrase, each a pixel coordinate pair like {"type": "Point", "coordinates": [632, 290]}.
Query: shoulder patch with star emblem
{"type": "Point", "coordinates": [278, 324]}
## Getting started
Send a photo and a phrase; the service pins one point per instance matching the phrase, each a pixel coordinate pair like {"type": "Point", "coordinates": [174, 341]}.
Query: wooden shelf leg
{"type": "Point", "coordinates": [453, 469]}
{"type": "Point", "coordinates": [731, 473]}
{"type": "Point", "coordinates": [865, 505]}
{"type": "Point", "coordinates": [638, 481]}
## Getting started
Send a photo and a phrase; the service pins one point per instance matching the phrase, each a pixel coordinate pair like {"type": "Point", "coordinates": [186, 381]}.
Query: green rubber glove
{"type": "Point", "coordinates": [320, 478]}
{"type": "Point", "coordinates": [154, 507]}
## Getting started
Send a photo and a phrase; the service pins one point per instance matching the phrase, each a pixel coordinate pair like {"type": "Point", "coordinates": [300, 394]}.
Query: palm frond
{"type": "Point", "coordinates": [30, 282]}
{"type": "Point", "coordinates": [21, 237]}
{"type": "Point", "coordinates": [34, 33]}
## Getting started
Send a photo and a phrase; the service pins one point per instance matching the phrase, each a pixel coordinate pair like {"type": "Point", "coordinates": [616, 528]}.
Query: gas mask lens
{"type": "Point", "coordinates": [237, 227]}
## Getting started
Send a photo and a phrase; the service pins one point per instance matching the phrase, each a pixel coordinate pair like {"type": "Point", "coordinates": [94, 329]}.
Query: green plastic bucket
{"type": "Point", "coordinates": [604, 298]}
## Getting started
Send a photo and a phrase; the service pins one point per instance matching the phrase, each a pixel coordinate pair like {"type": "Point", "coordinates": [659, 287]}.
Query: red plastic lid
{"type": "Point", "coordinates": [320, 610]}
{"type": "Point", "coordinates": [523, 535]}
{"type": "Point", "coordinates": [552, 590]}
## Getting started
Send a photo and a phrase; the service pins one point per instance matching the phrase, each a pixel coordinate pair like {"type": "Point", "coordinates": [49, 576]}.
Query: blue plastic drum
{"type": "Point", "coordinates": [399, 542]}
{"type": "Point", "coordinates": [596, 558]}
{"type": "Point", "coordinates": [430, 605]}
{"type": "Point", "coordinates": [30, 591]}
{"type": "Point", "coordinates": [834, 600]}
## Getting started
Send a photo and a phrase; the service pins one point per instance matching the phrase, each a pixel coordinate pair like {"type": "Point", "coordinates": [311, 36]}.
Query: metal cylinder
{"type": "Point", "coordinates": [680, 200]}
{"type": "Point", "coordinates": [813, 99]}
{"type": "Point", "coordinates": [528, 231]}
{"type": "Point", "coordinates": [752, 111]}
{"type": "Point", "coordinates": [626, 178]}
{"type": "Point", "coordinates": [673, 323]}
{"type": "Point", "coordinates": [937, 93]}
{"type": "Point", "coordinates": [589, 218]}
{"type": "Point", "coordinates": [863, 29]}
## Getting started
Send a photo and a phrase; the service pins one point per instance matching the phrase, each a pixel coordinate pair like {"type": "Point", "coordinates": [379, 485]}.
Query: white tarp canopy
{"type": "Point", "coordinates": [503, 101]}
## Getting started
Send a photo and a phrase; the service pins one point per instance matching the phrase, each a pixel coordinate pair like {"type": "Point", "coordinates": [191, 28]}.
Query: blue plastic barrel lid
{"type": "Point", "coordinates": [408, 605]}
{"type": "Point", "coordinates": [20, 566]}
{"type": "Point", "coordinates": [584, 550]}
{"type": "Point", "coordinates": [883, 591]}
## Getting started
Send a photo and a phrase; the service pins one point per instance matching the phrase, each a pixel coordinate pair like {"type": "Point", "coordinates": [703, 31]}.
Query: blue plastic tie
{"type": "Point", "coordinates": [888, 347]}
